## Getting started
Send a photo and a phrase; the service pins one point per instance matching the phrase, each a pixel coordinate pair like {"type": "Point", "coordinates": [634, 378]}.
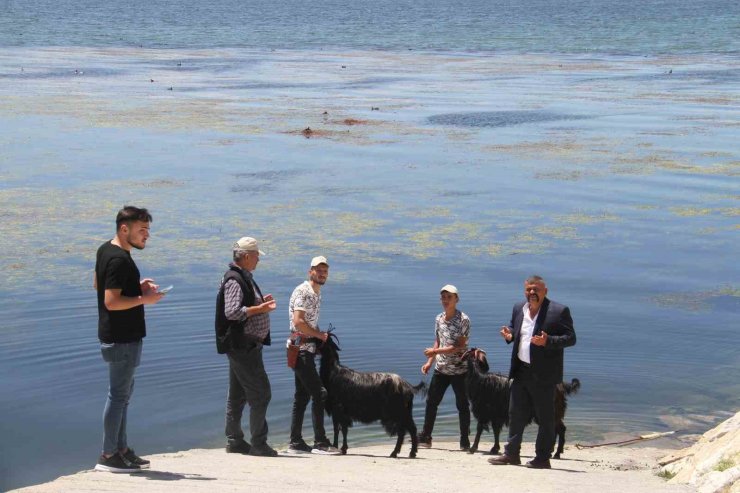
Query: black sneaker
{"type": "Point", "coordinates": [240, 447]}
{"type": "Point", "coordinates": [134, 459]}
{"type": "Point", "coordinates": [539, 464]}
{"type": "Point", "coordinates": [325, 449]}
{"type": "Point", "coordinates": [115, 463]}
{"type": "Point", "coordinates": [464, 444]}
{"type": "Point", "coordinates": [299, 448]}
{"type": "Point", "coordinates": [263, 450]}
{"type": "Point", "coordinates": [505, 460]}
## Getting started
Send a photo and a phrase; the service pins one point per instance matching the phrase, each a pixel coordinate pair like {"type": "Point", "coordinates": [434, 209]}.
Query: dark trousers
{"type": "Point", "coordinates": [437, 389]}
{"type": "Point", "coordinates": [248, 383]}
{"type": "Point", "coordinates": [529, 398]}
{"type": "Point", "coordinates": [308, 386]}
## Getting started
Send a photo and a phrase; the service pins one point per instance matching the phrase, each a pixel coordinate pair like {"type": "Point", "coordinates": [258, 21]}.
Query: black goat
{"type": "Point", "coordinates": [489, 397]}
{"type": "Point", "coordinates": [367, 397]}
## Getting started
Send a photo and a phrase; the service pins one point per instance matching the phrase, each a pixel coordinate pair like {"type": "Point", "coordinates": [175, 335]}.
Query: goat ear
{"type": "Point", "coordinates": [334, 340]}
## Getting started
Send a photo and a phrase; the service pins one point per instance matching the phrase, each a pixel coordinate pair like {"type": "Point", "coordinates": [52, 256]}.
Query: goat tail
{"type": "Point", "coordinates": [421, 388]}
{"type": "Point", "coordinates": [572, 387]}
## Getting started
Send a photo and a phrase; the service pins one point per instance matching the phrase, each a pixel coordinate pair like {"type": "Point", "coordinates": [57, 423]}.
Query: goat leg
{"type": "Point", "coordinates": [476, 442]}
{"type": "Point", "coordinates": [399, 442]}
{"type": "Point", "coordinates": [336, 424]}
{"type": "Point", "coordinates": [496, 433]}
{"type": "Point", "coordinates": [414, 436]}
{"type": "Point", "coordinates": [344, 438]}
{"type": "Point", "coordinates": [561, 439]}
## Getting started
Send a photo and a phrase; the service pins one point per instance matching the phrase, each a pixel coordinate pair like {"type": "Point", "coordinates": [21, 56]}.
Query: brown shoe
{"type": "Point", "coordinates": [539, 464]}
{"type": "Point", "coordinates": [504, 460]}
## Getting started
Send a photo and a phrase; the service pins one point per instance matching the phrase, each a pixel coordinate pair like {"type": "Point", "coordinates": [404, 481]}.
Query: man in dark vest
{"type": "Point", "coordinates": [242, 328]}
{"type": "Point", "coordinates": [540, 329]}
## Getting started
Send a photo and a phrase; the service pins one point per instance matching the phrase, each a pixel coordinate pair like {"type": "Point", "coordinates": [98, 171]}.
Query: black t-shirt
{"type": "Point", "coordinates": [115, 269]}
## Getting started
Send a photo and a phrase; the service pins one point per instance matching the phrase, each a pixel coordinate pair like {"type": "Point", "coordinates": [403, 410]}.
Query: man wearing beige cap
{"type": "Point", "coordinates": [303, 311]}
{"type": "Point", "coordinates": [242, 328]}
{"type": "Point", "coordinates": [451, 334]}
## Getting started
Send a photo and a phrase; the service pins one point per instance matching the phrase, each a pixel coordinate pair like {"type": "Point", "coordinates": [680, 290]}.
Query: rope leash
{"type": "Point", "coordinates": [648, 436]}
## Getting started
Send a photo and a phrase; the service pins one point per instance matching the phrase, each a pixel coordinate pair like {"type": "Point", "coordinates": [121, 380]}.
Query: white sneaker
{"type": "Point", "coordinates": [325, 449]}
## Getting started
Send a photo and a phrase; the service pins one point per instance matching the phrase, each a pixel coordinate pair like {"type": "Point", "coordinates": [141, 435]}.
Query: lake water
{"type": "Point", "coordinates": [561, 26]}
{"type": "Point", "coordinates": [450, 143]}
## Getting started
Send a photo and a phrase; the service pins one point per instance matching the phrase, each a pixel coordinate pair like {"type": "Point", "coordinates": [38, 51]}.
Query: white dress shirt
{"type": "Point", "coordinates": [526, 333]}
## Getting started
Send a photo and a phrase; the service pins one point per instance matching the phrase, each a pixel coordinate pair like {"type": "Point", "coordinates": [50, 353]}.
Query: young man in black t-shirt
{"type": "Point", "coordinates": [121, 328]}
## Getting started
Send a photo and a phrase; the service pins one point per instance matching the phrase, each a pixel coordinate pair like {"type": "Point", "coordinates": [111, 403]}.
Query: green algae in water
{"type": "Point", "coordinates": [698, 301]}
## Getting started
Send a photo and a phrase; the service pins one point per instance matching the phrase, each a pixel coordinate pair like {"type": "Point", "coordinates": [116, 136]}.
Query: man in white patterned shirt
{"type": "Point", "coordinates": [242, 328]}
{"type": "Point", "coordinates": [303, 311]}
{"type": "Point", "coordinates": [452, 331]}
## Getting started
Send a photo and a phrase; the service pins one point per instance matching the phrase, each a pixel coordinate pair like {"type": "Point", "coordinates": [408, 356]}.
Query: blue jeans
{"type": "Point", "coordinates": [122, 359]}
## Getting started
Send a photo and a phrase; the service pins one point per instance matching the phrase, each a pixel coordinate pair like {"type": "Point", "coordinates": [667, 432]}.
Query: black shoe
{"type": "Point", "coordinates": [299, 448]}
{"type": "Point", "coordinates": [240, 447]}
{"type": "Point", "coordinates": [134, 459]}
{"type": "Point", "coordinates": [115, 463]}
{"type": "Point", "coordinates": [464, 444]}
{"type": "Point", "coordinates": [539, 464]}
{"type": "Point", "coordinates": [425, 442]}
{"type": "Point", "coordinates": [263, 450]}
{"type": "Point", "coordinates": [505, 460]}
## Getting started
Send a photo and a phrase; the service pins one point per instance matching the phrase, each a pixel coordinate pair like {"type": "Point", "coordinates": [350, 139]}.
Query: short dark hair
{"type": "Point", "coordinates": [535, 279]}
{"type": "Point", "coordinates": [130, 214]}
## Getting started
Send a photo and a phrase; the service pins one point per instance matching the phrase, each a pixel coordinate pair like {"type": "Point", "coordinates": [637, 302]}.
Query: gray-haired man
{"type": "Point", "coordinates": [242, 328]}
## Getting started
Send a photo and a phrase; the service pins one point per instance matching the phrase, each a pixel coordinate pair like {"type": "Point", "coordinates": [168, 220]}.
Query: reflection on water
{"type": "Point", "coordinates": [631, 215]}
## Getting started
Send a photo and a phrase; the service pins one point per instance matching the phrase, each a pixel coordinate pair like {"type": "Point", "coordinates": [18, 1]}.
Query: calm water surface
{"type": "Point", "coordinates": [602, 154]}
{"type": "Point", "coordinates": [561, 26]}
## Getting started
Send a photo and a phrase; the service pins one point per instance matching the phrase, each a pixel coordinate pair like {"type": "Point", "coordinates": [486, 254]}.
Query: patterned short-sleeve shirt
{"type": "Point", "coordinates": [448, 332]}
{"type": "Point", "coordinates": [305, 299]}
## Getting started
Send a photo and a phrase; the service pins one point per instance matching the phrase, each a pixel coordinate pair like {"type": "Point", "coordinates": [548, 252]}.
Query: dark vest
{"type": "Point", "coordinates": [230, 333]}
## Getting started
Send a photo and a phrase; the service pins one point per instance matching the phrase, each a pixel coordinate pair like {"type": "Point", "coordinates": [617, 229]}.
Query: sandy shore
{"type": "Point", "coordinates": [368, 469]}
